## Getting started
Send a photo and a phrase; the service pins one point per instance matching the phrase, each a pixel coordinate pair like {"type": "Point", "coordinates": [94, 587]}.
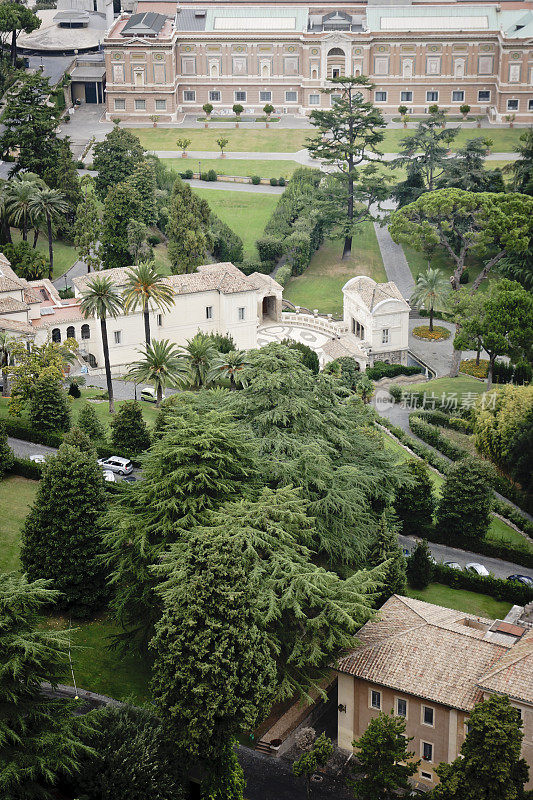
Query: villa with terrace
{"type": "Point", "coordinates": [218, 298]}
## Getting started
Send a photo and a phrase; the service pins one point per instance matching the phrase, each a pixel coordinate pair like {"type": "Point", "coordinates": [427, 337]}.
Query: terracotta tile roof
{"type": "Point", "coordinates": [372, 293]}
{"type": "Point", "coordinates": [10, 304]}
{"type": "Point", "coordinates": [513, 673]}
{"type": "Point", "coordinates": [223, 277]}
{"type": "Point", "coordinates": [14, 326]}
{"type": "Point", "coordinates": [433, 652]}
{"type": "Point", "coordinates": [31, 296]}
{"type": "Point", "coordinates": [260, 281]}
{"type": "Point", "coordinates": [63, 314]}
{"type": "Point", "coordinates": [8, 279]}
{"type": "Point", "coordinates": [340, 348]}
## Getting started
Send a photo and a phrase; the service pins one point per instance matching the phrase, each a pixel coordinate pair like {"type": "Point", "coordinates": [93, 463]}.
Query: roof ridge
{"type": "Point", "coordinates": [518, 657]}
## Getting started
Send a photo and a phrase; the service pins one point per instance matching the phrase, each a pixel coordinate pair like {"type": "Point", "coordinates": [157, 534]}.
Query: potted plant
{"type": "Point", "coordinates": [208, 109]}
{"type": "Point", "coordinates": [116, 121]}
{"type": "Point", "coordinates": [222, 142]}
{"type": "Point", "coordinates": [268, 109]}
{"type": "Point", "coordinates": [478, 122]}
{"type": "Point", "coordinates": [155, 119]}
{"type": "Point", "coordinates": [402, 111]}
{"type": "Point", "coordinates": [237, 110]}
{"type": "Point", "coordinates": [488, 144]}
{"type": "Point", "coordinates": [465, 110]}
{"type": "Point", "coordinates": [510, 118]}
{"type": "Point", "coordinates": [183, 145]}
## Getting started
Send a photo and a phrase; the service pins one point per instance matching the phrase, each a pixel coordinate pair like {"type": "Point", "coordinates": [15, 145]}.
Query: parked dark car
{"type": "Point", "coordinates": [525, 579]}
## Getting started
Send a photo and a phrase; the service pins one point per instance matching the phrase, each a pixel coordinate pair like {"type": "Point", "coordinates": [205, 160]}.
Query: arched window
{"type": "Point", "coordinates": [85, 331]}
{"type": "Point", "coordinates": [56, 335]}
{"type": "Point", "coordinates": [335, 51]}
{"type": "Point", "coordinates": [71, 333]}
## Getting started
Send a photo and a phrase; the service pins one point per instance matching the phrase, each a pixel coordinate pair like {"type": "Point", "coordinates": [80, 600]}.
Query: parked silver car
{"type": "Point", "coordinates": [479, 569]}
{"type": "Point", "coordinates": [122, 466]}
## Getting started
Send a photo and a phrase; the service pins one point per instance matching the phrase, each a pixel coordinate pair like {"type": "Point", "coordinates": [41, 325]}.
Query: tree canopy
{"type": "Point", "coordinates": [116, 159]}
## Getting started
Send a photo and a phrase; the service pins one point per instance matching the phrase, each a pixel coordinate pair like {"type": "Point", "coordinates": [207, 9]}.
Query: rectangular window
{"type": "Point", "coordinates": [385, 336]}
{"type": "Point", "coordinates": [242, 314]}
{"type": "Point", "coordinates": [314, 99]}
{"type": "Point", "coordinates": [240, 97]}
{"type": "Point", "coordinates": [140, 105]}
{"type": "Point", "coordinates": [512, 105]}
{"type": "Point", "coordinates": [188, 66]}
{"type": "Point", "coordinates": [120, 104]}
{"type": "Point", "coordinates": [401, 707]}
{"type": "Point", "coordinates": [189, 96]}
{"type": "Point", "coordinates": [291, 97]}
{"type": "Point", "coordinates": [458, 96]}
{"type": "Point", "coordinates": [117, 336]}
{"type": "Point", "coordinates": [214, 96]}
{"type": "Point", "coordinates": [375, 699]}
{"type": "Point", "coordinates": [426, 776]}
{"type": "Point", "coordinates": [514, 73]}
{"type": "Point", "coordinates": [381, 65]}
{"type": "Point", "coordinates": [160, 105]}
{"type": "Point", "coordinates": [432, 97]}
{"type": "Point", "coordinates": [483, 96]}
{"type": "Point", "coordinates": [530, 105]}
{"type": "Point", "coordinates": [209, 312]}
{"type": "Point", "coordinates": [359, 330]}
{"type": "Point", "coordinates": [428, 715]}
{"type": "Point", "coordinates": [406, 97]}
{"type": "Point", "coordinates": [380, 97]}
{"type": "Point", "coordinates": [427, 751]}
{"type": "Point", "coordinates": [160, 320]}
{"type": "Point", "coordinates": [265, 97]}
{"type": "Point", "coordinates": [335, 98]}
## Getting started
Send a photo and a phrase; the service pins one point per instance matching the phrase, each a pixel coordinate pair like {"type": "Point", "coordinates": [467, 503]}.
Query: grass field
{"type": "Point", "coordinates": [470, 602]}
{"type": "Point", "coordinates": [101, 408]}
{"type": "Point", "coordinates": [235, 166]}
{"type": "Point", "coordinates": [287, 140]}
{"type": "Point", "coordinates": [16, 496]}
{"type": "Point", "coordinates": [64, 254]}
{"type": "Point", "coordinates": [245, 212]}
{"type": "Point", "coordinates": [320, 286]}
{"type": "Point", "coordinates": [460, 385]}
{"type": "Point", "coordinates": [418, 262]}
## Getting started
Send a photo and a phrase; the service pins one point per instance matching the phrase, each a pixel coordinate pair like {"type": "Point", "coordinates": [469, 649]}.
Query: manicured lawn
{"type": "Point", "coordinates": [235, 166]}
{"type": "Point", "coordinates": [16, 496]}
{"type": "Point", "coordinates": [101, 408]}
{"type": "Point", "coordinates": [246, 213]}
{"type": "Point", "coordinates": [271, 140]}
{"type": "Point", "coordinates": [64, 254]}
{"type": "Point", "coordinates": [504, 139]}
{"type": "Point", "coordinates": [460, 385]}
{"type": "Point", "coordinates": [470, 602]}
{"type": "Point", "coordinates": [320, 286]}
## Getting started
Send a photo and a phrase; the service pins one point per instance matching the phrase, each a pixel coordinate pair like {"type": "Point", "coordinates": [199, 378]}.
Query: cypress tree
{"type": "Point", "coordinates": [466, 501]}
{"type": "Point", "coordinates": [415, 501]}
{"type": "Point", "coordinates": [420, 566]}
{"type": "Point", "coordinates": [188, 241]}
{"type": "Point", "coordinates": [6, 453]}
{"type": "Point", "coordinates": [48, 408]}
{"type": "Point", "coordinates": [89, 423]}
{"type": "Point", "coordinates": [129, 432]}
{"type": "Point", "coordinates": [213, 674]}
{"type": "Point", "coordinates": [39, 736]}
{"type": "Point", "coordinates": [385, 549]}
{"type": "Point", "coordinates": [61, 538]}
{"type": "Point", "coordinates": [78, 438]}
{"type": "Point", "coordinates": [143, 183]}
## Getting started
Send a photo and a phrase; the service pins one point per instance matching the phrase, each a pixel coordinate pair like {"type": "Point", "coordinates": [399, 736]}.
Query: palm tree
{"type": "Point", "coordinates": [431, 292]}
{"type": "Point", "coordinates": [229, 365]}
{"type": "Point", "coordinates": [101, 299]}
{"type": "Point", "coordinates": [146, 283]}
{"type": "Point", "coordinates": [161, 364]}
{"type": "Point", "coordinates": [48, 204]}
{"type": "Point", "coordinates": [199, 353]}
{"type": "Point", "coordinates": [6, 342]}
{"type": "Point", "coordinates": [19, 194]}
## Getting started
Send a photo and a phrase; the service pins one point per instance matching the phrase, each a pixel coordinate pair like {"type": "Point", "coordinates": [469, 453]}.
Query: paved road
{"type": "Point", "coordinates": [24, 449]}
{"type": "Point", "coordinates": [394, 261]}
{"type": "Point", "coordinates": [229, 186]}
{"type": "Point", "coordinates": [501, 569]}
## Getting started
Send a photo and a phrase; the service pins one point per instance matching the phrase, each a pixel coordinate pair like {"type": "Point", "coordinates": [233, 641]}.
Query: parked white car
{"type": "Point", "coordinates": [452, 565]}
{"type": "Point", "coordinates": [38, 458]}
{"type": "Point", "coordinates": [479, 569]}
{"type": "Point", "coordinates": [109, 476]}
{"type": "Point", "coordinates": [149, 395]}
{"type": "Point", "coordinates": [122, 466]}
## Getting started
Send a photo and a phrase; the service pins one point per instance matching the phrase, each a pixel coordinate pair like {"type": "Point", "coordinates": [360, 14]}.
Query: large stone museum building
{"type": "Point", "coordinates": [168, 58]}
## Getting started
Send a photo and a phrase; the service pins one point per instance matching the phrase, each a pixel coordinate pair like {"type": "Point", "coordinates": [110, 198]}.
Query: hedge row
{"type": "Point", "coordinates": [422, 399]}
{"type": "Point", "coordinates": [295, 228]}
{"type": "Point", "coordinates": [500, 589]}
{"type": "Point", "coordinates": [445, 421]}
{"type": "Point", "coordinates": [439, 463]}
{"type": "Point", "coordinates": [227, 246]}
{"type": "Point", "coordinates": [27, 468]}
{"type": "Point", "coordinates": [383, 370]}
{"type": "Point", "coordinates": [431, 434]}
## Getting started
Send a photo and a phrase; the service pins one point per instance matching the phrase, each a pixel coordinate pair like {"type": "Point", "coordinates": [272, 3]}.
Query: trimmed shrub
{"type": "Point", "coordinates": [74, 390]}
{"type": "Point", "coordinates": [500, 589]}
{"type": "Point", "coordinates": [269, 248]}
{"type": "Point", "coordinates": [26, 468]}
{"type": "Point", "coordinates": [187, 175]}
{"type": "Point", "coordinates": [383, 370]}
{"type": "Point", "coordinates": [415, 502]}
{"type": "Point", "coordinates": [420, 567]}
{"type": "Point", "coordinates": [254, 266]}
{"type": "Point", "coordinates": [466, 500]}
{"type": "Point", "coordinates": [129, 432]}
{"type": "Point", "coordinates": [48, 408]}
{"type": "Point", "coordinates": [396, 392]}
{"type": "Point", "coordinates": [89, 423]}
{"type": "Point", "coordinates": [298, 250]}
{"type": "Point", "coordinates": [6, 454]}
{"type": "Point", "coordinates": [227, 245]}
{"type": "Point", "coordinates": [255, 180]}
{"type": "Point", "coordinates": [221, 343]}
{"type": "Point", "coordinates": [283, 274]}
{"type": "Point", "coordinates": [154, 239]}
{"type": "Point", "coordinates": [282, 182]}
{"type": "Point", "coordinates": [273, 181]}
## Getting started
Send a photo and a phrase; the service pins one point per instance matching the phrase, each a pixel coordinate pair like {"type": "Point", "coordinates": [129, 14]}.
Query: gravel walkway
{"type": "Point", "coordinates": [394, 261]}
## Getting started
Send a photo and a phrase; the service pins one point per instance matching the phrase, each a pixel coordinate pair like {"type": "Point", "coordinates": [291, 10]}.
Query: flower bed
{"type": "Point", "coordinates": [469, 367]}
{"type": "Point", "coordinates": [438, 333]}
